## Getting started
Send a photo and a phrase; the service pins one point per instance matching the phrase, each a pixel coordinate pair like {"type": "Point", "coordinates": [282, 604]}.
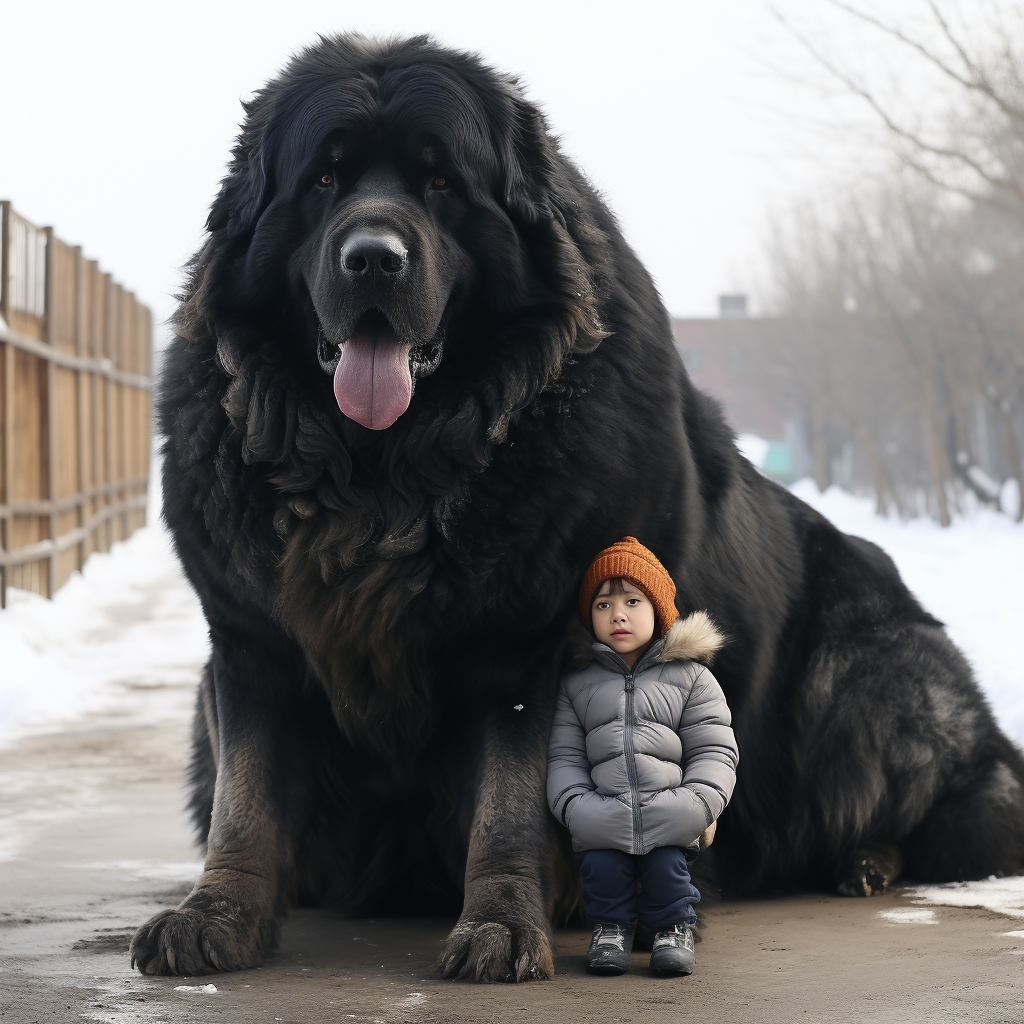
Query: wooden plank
{"type": "Point", "coordinates": [43, 507]}
{"type": "Point", "coordinates": [123, 363]}
{"type": "Point", "coordinates": [145, 426]}
{"type": "Point", "coordinates": [95, 315]}
{"type": "Point", "coordinates": [104, 366]}
{"type": "Point", "coordinates": [95, 393]}
{"type": "Point", "coordinates": [120, 432]}
{"type": "Point", "coordinates": [6, 394]}
{"type": "Point", "coordinates": [6, 436]}
{"type": "Point", "coordinates": [68, 495]}
{"type": "Point", "coordinates": [53, 323]}
{"type": "Point", "coordinates": [109, 343]}
{"type": "Point", "coordinates": [81, 402]}
{"type": "Point", "coordinates": [38, 551]}
{"type": "Point", "coordinates": [146, 366]}
{"type": "Point", "coordinates": [5, 222]}
{"type": "Point", "coordinates": [128, 336]}
{"type": "Point", "coordinates": [25, 277]}
{"type": "Point", "coordinates": [27, 449]}
{"type": "Point", "coordinates": [116, 352]}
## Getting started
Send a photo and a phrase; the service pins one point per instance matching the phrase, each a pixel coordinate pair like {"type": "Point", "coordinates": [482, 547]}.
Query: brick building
{"type": "Point", "coordinates": [721, 356]}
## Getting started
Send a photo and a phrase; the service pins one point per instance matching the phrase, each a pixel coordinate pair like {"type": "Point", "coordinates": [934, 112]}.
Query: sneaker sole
{"type": "Point", "coordinates": [672, 972]}
{"type": "Point", "coordinates": [606, 969]}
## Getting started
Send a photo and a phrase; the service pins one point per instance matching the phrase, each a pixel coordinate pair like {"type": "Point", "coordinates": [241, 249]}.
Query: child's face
{"type": "Point", "coordinates": [623, 618]}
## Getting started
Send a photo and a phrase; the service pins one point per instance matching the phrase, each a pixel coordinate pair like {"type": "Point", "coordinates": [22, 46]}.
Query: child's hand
{"type": "Point", "coordinates": [708, 835]}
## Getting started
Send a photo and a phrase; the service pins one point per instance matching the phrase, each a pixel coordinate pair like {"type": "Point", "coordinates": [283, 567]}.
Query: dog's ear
{"type": "Point", "coordinates": [549, 202]}
{"type": "Point", "coordinates": [530, 164]}
{"type": "Point", "coordinates": [244, 192]}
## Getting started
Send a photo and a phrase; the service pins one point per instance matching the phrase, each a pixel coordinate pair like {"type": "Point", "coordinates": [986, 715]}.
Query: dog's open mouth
{"type": "Point", "coordinates": [374, 370]}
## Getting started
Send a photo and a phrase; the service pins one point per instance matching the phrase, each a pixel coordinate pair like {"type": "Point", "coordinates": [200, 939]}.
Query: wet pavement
{"type": "Point", "coordinates": [94, 839]}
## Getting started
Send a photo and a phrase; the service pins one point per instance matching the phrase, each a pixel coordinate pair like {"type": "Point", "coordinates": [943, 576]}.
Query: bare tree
{"type": "Point", "coordinates": [977, 149]}
{"type": "Point", "coordinates": [896, 319]}
{"type": "Point", "coordinates": [900, 304]}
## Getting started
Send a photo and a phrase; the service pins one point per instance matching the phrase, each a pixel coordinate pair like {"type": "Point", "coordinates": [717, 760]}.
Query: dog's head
{"type": "Point", "coordinates": [397, 216]}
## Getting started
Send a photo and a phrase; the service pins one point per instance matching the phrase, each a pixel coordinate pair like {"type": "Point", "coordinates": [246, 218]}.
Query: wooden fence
{"type": "Point", "coordinates": [75, 362]}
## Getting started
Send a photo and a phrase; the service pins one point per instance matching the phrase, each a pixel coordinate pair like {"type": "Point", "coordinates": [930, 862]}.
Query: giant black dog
{"type": "Point", "coordinates": [419, 380]}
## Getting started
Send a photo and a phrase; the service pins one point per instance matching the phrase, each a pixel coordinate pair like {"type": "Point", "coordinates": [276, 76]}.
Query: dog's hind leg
{"type": "Point", "coordinates": [905, 750]}
{"type": "Point", "coordinates": [202, 769]}
{"type": "Point", "coordinates": [977, 828]}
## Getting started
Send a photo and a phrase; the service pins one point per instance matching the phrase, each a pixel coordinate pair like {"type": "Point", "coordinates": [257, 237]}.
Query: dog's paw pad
{"type": "Point", "coordinates": [200, 937]}
{"type": "Point", "coordinates": [490, 951]}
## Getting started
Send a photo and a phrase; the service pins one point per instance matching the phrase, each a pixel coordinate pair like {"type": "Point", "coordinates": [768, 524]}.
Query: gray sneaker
{"type": "Point", "coordinates": [609, 950]}
{"type": "Point", "coordinates": [673, 951]}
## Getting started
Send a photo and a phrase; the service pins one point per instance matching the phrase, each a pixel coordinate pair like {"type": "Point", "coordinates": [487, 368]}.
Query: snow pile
{"type": "Point", "coordinates": [1000, 895]}
{"type": "Point", "coordinates": [968, 575]}
{"type": "Point", "coordinates": [753, 448]}
{"type": "Point", "coordinates": [128, 626]}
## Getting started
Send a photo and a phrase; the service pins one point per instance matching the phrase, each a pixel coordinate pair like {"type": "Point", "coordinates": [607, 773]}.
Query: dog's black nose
{"type": "Point", "coordinates": [372, 252]}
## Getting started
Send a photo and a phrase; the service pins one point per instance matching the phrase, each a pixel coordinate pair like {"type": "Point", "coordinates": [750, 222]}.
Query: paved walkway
{"type": "Point", "coordinates": [93, 840]}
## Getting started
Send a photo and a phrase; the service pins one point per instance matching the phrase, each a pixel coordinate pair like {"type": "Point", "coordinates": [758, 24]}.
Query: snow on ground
{"type": "Point", "coordinates": [913, 915]}
{"type": "Point", "coordinates": [753, 448]}
{"type": "Point", "coordinates": [126, 636]}
{"type": "Point", "coordinates": [969, 575]}
{"type": "Point", "coordinates": [1001, 895]}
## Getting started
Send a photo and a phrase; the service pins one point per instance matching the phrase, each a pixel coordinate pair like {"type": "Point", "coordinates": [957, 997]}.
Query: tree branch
{"type": "Point", "coordinates": [978, 82]}
{"type": "Point", "coordinates": [860, 90]}
{"type": "Point", "coordinates": [983, 83]}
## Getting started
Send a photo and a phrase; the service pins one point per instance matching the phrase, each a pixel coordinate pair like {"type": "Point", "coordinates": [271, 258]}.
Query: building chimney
{"type": "Point", "coordinates": [732, 307]}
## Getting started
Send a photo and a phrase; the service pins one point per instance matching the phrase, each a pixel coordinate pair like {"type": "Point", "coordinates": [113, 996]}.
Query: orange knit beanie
{"type": "Point", "coordinates": [629, 558]}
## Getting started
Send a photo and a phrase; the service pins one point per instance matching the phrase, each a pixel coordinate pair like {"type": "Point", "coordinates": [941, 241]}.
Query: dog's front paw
{"type": "Point", "coordinates": [209, 932]}
{"type": "Point", "coordinates": [491, 951]}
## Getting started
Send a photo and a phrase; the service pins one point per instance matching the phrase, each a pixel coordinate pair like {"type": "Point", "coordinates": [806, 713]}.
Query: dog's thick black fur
{"type": "Point", "coordinates": [389, 607]}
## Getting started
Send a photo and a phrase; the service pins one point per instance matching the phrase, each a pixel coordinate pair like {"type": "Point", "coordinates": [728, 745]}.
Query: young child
{"type": "Point", "coordinates": [642, 759]}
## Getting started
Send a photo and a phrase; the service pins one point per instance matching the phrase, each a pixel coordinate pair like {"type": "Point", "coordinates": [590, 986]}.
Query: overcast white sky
{"type": "Point", "coordinates": [116, 118]}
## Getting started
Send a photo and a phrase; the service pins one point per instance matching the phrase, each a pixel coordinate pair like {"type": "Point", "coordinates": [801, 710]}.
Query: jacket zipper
{"type": "Point", "coordinates": [634, 785]}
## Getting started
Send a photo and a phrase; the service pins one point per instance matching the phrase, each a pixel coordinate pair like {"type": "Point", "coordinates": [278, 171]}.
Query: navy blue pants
{"type": "Point", "coordinates": [666, 893]}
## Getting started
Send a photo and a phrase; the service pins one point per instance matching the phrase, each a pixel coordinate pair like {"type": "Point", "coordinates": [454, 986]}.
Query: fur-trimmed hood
{"type": "Point", "coordinates": [694, 638]}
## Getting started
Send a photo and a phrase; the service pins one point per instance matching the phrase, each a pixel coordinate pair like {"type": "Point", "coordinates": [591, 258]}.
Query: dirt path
{"type": "Point", "coordinates": [93, 840]}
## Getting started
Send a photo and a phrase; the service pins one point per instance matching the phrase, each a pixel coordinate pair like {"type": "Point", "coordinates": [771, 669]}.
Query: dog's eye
{"type": "Point", "coordinates": [326, 180]}
{"type": "Point", "coordinates": [440, 184]}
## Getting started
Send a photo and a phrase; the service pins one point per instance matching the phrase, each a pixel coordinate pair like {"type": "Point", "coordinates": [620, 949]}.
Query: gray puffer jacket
{"type": "Point", "coordinates": [644, 757]}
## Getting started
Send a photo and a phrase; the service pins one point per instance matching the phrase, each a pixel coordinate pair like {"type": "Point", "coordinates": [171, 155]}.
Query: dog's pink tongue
{"type": "Point", "coordinates": [372, 383]}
